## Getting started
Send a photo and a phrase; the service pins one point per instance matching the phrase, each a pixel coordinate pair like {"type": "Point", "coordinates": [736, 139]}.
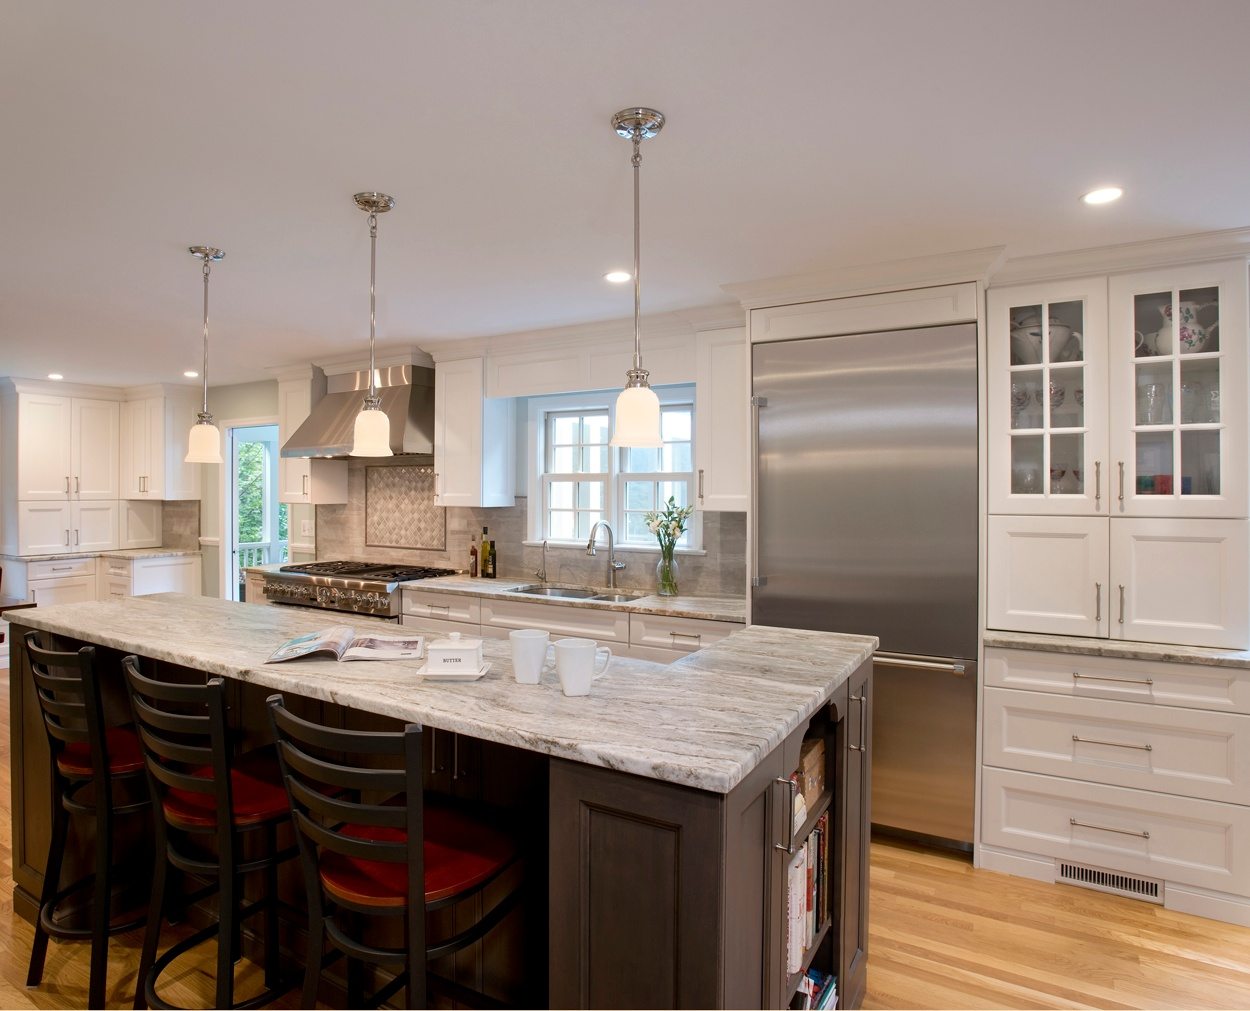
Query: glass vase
{"type": "Point", "coordinates": [666, 575]}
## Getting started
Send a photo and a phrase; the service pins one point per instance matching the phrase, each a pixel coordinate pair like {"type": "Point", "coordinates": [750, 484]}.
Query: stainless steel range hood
{"type": "Point", "coordinates": [407, 394]}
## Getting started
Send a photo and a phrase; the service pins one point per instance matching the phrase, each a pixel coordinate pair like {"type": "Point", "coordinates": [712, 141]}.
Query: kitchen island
{"type": "Point", "coordinates": [665, 794]}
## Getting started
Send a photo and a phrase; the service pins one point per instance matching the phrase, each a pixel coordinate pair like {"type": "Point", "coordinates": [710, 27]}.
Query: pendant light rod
{"type": "Point", "coordinates": [636, 161]}
{"type": "Point", "coordinates": [209, 255]}
{"type": "Point", "coordinates": [375, 203]}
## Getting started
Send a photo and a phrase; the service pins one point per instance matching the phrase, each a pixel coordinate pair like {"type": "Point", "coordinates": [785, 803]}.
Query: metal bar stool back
{"type": "Point", "coordinates": [90, 763]}
{"type": "Point", "coordinates": [202, 794]}
{"type": "Point", "coordinates": [371, 846]}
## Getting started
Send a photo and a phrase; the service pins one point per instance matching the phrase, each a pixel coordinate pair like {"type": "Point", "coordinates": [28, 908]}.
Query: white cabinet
{"type": "Point", "coordinates": [1166, 581]}
{"type": "Point", "coordinates": [43, 528]}
{"type": "Point", "coordinates": [1130, 774]}
{"type": "Point", "coordinates": [153, 446]}
{"type": "Point", "coordinates": [254, 588]}
{"type": "Point", "coordinates": [61, 582]}
{"type": "Point", "coordinates": [139, 524]}
{"type": "Point", "coordinates": [722, 442]}
{"type": "Point", "coordinates": [1117, 410]}
{"type": "Point", "coordinates": [66, 448]}
{"type": "Point", "coordinates": [580, 622]}
{"type": "Point", "coordinates": [93, 526]}
{"type": "Point", "coordinates": [303, 480]}
{"type": "Point", "coordinates": [474, 439]}
{"type": "Point", "coordinates": [1178, 391]}
{"type": "Point", "coordinates": [136, 576]}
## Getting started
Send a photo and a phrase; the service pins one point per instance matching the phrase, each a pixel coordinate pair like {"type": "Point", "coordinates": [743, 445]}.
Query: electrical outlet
{"type": "Point", "coordinates": [305, 528]}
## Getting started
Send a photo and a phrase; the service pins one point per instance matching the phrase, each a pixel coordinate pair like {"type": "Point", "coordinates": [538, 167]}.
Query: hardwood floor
{"type": "Point", "coordinates": [942, 936]}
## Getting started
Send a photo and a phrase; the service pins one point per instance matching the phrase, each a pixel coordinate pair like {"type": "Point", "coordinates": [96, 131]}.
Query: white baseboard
{"type": "Point", "coordinates": [1213, 905]}
{"type": "Point", "coordinates": [1022, 865]}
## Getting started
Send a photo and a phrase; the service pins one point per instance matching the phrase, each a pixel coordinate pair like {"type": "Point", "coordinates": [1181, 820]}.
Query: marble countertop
{"type": "Point", "coordinates": [704, 721]}
{"type": "Point", "coordinates": [123, 553]}
{"type": "Point", "coordinates": [1120, 649]}
{"type": "Point", "coordinates": [710, 608]}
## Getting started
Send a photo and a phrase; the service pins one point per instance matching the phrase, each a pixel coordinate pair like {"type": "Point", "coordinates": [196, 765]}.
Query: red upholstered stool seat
{"type": "Point", "coordinates": [460, 853]}
{"type": "Point", "coordinates": [256, 787]}
{"type": "Point", "coordinates": [125, 754]}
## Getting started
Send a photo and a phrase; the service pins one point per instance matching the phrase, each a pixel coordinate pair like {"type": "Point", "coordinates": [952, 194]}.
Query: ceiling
{"type": "Point", "coordinates": [802, 135]}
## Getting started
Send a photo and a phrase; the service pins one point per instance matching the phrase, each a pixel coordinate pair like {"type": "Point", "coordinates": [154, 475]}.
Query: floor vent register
{"type": "Point", "coordinates": [1109, 881]}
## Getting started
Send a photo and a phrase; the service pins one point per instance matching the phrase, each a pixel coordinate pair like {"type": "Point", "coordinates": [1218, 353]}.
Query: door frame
{"type": "Point", "coordinates": [225, 502]}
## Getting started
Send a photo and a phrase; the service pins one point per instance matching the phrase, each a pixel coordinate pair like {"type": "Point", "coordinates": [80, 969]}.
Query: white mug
{"type": "Point", "coordinates": [576, 660]}
{"type": "Point", "coordinates": [529, 653]}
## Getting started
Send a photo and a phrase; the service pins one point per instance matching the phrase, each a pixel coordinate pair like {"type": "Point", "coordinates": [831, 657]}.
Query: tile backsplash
{"type": "Point", "coordinates": [180, 525]}
{"type": "Point", "coordinates": [342, 533]}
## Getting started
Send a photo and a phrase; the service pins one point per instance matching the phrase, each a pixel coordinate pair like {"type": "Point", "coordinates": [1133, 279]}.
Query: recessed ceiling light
{"type": "Point", "coordinates": [55, 375]}
{"type": "Point", "coordinates": [191, 374]}
{"type": "Point", "coordinates": [618, 276]}
{"type": "Point", "coordinates": [1103, 195]}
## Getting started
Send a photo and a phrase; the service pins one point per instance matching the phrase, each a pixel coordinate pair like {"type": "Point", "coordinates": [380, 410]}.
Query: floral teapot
{"type": "Point", "coordinates": [1192, 334]}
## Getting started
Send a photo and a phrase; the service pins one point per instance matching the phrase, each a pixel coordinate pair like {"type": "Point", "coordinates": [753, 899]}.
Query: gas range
{"type": "Point", "coordinates": [370, 588]}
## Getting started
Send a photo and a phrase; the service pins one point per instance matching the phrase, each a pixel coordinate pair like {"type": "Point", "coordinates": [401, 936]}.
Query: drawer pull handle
{"type": "Point", "coordinates": [794, 793]}
{"type": "Point", "coordinates": [1097, 603]}
{"type": "Point", "coordinates": [862, 700]}
{"type": "Point", "coordinates": [696, 636]}
{"type": "Point", "coordinates": [445, 608]}
{"type": "Point", "coordinates": [1119, 681]}
{"type": "Point", "coordinates": [1104, 828]}
{"type": "Point", "coordinates": [61, 568]}
{"type": "Point", "coordinates": [1112, 744]}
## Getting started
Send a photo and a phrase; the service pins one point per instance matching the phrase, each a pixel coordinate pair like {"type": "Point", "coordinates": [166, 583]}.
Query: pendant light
{"type": "Point", "coordinates": [637, 406]}
{"type": "Point", "coordinates": [372, 434]}
{"type": "Point", "coordinates": [204, 441]}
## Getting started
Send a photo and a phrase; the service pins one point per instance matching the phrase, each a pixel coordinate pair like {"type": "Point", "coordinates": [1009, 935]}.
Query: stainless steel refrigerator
{"type": "Point", "coordinates": [865, 521]}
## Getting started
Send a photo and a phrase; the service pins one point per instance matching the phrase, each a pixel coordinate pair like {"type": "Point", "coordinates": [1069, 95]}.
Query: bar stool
{"type": "Point", "coordinates": [87, 757]}
{"type": "Point", "coordinates": [203, 795]}
{"type": "Point", "coordinates": [371, 846]}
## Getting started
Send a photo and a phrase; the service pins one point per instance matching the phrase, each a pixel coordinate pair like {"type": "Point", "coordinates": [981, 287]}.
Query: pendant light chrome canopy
{"type": "Point", "coordinates": [204, 441]}
{"type": "Point", "coordinates": [637, 406]}
{"type": "Point", "coordinates": [372, 433]}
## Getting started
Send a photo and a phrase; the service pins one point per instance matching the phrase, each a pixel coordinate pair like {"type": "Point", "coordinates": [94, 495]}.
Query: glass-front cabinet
{"type": "Point", "coordinates": [1178, 391]}
{"type": "Point", "coordinates": [1047, 398]}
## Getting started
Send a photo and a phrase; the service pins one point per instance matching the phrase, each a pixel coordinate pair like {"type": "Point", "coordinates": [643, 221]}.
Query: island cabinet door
{"type": "Point", "coordinates": [636, 867]}
{"type": "Point", "coordinates": [852, 828]}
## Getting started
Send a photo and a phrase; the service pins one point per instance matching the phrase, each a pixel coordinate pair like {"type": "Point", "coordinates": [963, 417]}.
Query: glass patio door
{"type": "Point", "coordinates": [258, 519]}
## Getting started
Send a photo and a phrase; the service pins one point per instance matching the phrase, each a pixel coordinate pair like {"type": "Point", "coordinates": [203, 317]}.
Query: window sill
{"type": "Point", "coordinates": [618, 548]}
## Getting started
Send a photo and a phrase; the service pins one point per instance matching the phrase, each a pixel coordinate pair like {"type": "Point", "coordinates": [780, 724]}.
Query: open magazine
{"type": "Point", "coordinates": [344, 643]}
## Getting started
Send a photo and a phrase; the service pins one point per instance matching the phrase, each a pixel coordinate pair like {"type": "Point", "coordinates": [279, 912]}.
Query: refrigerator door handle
{"type": "Point", "coordinates": [958, 669]}
{"type": "Point", "coordinates": [756, 578]}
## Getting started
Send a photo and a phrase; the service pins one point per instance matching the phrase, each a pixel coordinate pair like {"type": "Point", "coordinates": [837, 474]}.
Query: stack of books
{"type": "Point", "coordinates": [807, 894]}
{"type": "Point", "coordinates": [817, 990]}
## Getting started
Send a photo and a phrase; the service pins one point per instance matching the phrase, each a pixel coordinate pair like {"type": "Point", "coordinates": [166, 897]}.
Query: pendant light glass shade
{"type": "Point", "coordinates": [637, 408]}
{"type": "Point", "coordinates": [204, 440]}
{"type": "Point", "coordinates": [372, 434]}
{"type": "Point", "coordinates": [372, 431]}
{"type": "Point", "coordinates": [637, 418]}
{"type": "Point", "coordinates": [204, 443]}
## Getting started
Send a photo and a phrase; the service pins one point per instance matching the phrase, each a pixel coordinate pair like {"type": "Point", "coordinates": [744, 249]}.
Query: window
{"type": "Point", "coordinates": [578, 479]}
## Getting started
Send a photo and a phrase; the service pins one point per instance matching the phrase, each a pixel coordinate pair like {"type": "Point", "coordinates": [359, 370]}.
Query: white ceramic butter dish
{"type": "Point", "coordinates": [454, 655]}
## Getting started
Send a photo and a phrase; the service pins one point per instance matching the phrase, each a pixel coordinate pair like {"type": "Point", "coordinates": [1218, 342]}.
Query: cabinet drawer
{"type": "Point", "coordinates": [1181, 751]}
{"type": "Point", "coordinates": [558, 619]}
{"type": "Point", "coordinates": [61, 567]}
{"type": "Point", "coordinates": [682, 634]}
{"type": "Point", "coordinates": [447, 606]}
{"type": "Point", "coordinates": [1190, 686]}
{"type": "Point", "coordinates": [114, 588]}
{"type": "Point", "coordinates": [116, 567]}
{"type": "Point", "coordinates": [67, 590]}
{"type": "Point", "coordinates": [1193, 842]}
{"type": "Point", "coordinates": [439, 626]}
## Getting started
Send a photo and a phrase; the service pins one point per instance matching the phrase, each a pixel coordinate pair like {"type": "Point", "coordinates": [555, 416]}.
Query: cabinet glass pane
{"type": "Point", "coordinates": [1154, 463]}
{"type": "Point", "coordinates": [1026, 399]}
{"type": "Point", "coordinates": [1152, 324]}
{"type": "Point", "coordinates": [1026, 465]}
{"type": "Point", "coordinates": [1067, 396]}
{"type": "Point", "coordinates": [1200, 462]}
{"type": "Point", "coordinates": [1198, 321]}
{"type": "Point", "coordinates": [1154, 393]}
{"type": "Point", "coordinates": [1200, 391]}
{"type": "Point", "coordinates": [1067, 453]}
{"type": "Point", "coordinates": [1064, 332]}
{"type": "Point", "coordinates": [1026, 334]}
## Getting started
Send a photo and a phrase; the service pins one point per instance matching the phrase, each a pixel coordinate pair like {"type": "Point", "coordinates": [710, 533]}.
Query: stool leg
{"type": "Point", "coordinates": [100, 902]}
{"type": "Point", "coordinates": [355, 983]}
{"type": "Point", "coordinates": [51, 881]}
{"type": "Point", "coordinates": [273, 966]}
{"type": "Point", "coordinates": [315, 954]}
{"type": "Point", "coordinates": [156, 908]}
{"type": "Point", "coordinates": [227, 924]}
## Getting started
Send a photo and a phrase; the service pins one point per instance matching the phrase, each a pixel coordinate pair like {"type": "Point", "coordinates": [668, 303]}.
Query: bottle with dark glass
{"type": "Point", "coordinates": [494, 562]}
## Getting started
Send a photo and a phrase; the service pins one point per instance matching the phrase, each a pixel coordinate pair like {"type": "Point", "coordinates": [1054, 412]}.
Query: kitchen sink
{"type": "Point", "coordinates": [617, 598]}
{"type": "Point", "coordinates": [556, 591]}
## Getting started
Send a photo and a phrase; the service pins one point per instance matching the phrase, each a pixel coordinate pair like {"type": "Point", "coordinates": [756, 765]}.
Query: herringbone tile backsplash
{"type": "Point", "coordinates": [400, 510]}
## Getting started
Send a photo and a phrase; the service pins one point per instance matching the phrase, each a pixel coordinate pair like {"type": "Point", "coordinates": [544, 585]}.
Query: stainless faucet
{"type": "Point", "coordinates": [541, 574]}
{"type": "Point", "coordinates": [613, 565]}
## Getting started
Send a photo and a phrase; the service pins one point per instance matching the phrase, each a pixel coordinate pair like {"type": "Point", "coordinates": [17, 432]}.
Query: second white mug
{"type": "Point", "coordinates": [529, 653]}
{"type": "Point", "coordinates": [576, 663]}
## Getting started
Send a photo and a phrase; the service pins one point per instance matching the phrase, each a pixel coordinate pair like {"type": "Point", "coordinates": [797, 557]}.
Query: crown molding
{"type": "Point", "coordinates": [17, 384]}
{"type": "Point", "coordinates": [869, 278]}
{"type": "Point", "coordinates": [1128, 256]}
{"type": "Point", "coordinates": [161, 390]}
{"type": "Point", "coordinates": [359, 362]}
